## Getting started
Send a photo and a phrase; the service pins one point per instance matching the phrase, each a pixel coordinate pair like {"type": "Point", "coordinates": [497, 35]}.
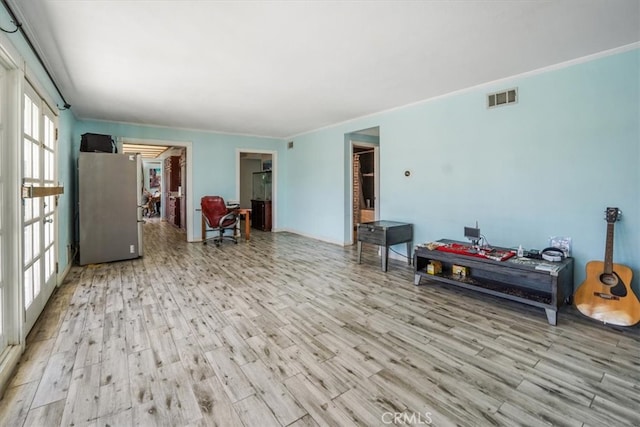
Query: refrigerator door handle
{"type": "Point", "coordinates": [139, 189]}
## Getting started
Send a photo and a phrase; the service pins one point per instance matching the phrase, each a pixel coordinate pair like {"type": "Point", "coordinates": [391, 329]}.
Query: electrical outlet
{"type": "Point", "coordinates": [132, 249]}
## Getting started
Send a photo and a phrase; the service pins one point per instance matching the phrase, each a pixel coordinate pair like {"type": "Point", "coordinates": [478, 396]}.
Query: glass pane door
{"type": "Point", "coordinates": [39, 219]}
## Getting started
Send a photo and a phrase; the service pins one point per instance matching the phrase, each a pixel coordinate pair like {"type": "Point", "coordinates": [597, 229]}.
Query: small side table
{"type": "Point", "coordinates": [385, 233]}
{"type": "Point", "coordinates": [246, 213]}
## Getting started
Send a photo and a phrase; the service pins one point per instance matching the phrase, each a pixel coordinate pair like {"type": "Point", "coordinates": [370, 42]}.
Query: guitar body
{"type": "Point", "coordinates": [594, 298]}
{"type": "Point", "coordinates": [606, 293]}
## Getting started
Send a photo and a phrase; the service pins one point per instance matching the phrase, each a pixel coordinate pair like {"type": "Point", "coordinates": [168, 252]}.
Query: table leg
{"type": "Point", "coordinates": [247, 225]}
{"type": "Point", "coordinates": [552, 316]}
{"type": "Point", "coordinates": [385, 258]}
{"type": "Point", "coordinates": [359, 251]}
{"type": "Point", "coordinates": [409, 255]}
{"type": "Point", "coordinates": [416, 279]}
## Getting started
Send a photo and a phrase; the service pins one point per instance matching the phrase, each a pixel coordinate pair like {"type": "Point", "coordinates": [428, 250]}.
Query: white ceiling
{"type": "Point", "coordinates": [280, 68]}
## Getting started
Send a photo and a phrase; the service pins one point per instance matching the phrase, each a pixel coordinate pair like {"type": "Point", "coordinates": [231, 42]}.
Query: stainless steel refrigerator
{"type": "Point", "coordinates": [110, 212]}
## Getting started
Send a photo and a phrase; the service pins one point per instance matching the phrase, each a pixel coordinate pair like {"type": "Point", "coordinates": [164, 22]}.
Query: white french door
{"type": "Point", "coordinates": [4, 309]}
{"type": "Point", "coordinates": [39, 214]}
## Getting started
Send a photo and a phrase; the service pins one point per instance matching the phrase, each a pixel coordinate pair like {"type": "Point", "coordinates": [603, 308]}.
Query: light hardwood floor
{"type": "Point", "coordinates": [289, 331]}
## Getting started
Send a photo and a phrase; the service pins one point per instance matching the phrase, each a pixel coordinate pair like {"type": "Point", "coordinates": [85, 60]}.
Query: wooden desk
{"type": "Point", "coordinates": [247, 223]}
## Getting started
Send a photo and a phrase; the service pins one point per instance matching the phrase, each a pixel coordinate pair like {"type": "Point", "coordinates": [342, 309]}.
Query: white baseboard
{"type": "Point", "coordinates": [8, 365]}
{"type": "Point", "coordinates": [311, 236]}
{"type": "Point", "coordinates": [392, 255]}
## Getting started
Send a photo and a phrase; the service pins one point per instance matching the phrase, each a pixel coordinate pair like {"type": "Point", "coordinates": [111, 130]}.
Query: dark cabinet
{"type": "Point", "coordinates": [183, 190]}
{"type": "Point", "coordinates": [173, 175]}
{"type": "Point", "coordinates": [173, 211]}
{"type": "Point", "coordinates": [367, 180]}
{"type": "Point", "coordinates": [261, 214]}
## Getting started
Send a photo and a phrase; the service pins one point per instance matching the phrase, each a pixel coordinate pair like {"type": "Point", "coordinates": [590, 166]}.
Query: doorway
{"type": "Point", "coordinates": [261, 164]}
{"type": "Point", "coordinates": [181, 189]}
{"type": "Point", "coordinates": [365, 178]}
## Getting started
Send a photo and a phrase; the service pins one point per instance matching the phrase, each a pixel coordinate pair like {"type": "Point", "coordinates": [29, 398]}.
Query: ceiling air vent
{"type": "Point", "coordinates": [290, 145]}
{"type": "Point", "coordinates": [505, 97]}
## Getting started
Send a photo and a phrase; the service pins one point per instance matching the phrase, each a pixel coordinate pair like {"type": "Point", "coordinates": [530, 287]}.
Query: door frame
{"type": "Point", "coordinates": [11, 130]}
{"type": "Point", "coordinates": [188, 146]}
{"type": "Point", "coordinates": [274, 179]}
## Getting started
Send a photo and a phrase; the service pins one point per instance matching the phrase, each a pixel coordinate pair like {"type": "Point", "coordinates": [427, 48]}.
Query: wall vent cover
{"type": "Point", "coordinates": [290, 145]}
{"type": "Point", "coordinates": [505, 97]}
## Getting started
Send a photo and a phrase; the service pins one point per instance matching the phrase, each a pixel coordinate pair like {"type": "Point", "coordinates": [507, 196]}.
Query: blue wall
{"type": "Point", "coordinates": [546, 166]}
{"type": "Point", "coordinates": [214, 156]}
{"type": "Point", "coordinates": [66, 174]}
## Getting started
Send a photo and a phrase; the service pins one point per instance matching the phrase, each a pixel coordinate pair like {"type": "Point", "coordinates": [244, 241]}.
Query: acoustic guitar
{"type": "Point", "coordinates": [606, 293]}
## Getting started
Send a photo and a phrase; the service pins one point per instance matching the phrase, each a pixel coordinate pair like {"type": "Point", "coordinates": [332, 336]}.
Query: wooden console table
{"type": "Point", "coordinates": [385, 234]}
{"type": "Point", "coordinates": [534, 282]}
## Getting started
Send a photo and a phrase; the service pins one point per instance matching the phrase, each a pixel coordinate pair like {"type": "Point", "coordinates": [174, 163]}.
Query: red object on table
{"type": "Point", "coordinates": [457, 248]}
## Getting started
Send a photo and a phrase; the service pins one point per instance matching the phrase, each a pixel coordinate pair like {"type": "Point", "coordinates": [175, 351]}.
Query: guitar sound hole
{"type": "Point", "coordinates": [617, 287]}
{"type": "Point", "coordinates": [609, 279]}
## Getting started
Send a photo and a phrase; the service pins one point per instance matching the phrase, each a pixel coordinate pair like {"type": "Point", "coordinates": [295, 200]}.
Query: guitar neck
{"type": "Point", "coordinates": [608, 251]}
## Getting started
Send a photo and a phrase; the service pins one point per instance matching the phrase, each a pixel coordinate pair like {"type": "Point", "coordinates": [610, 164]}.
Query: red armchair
{"type": "Point", "coordinates": [218, 218]}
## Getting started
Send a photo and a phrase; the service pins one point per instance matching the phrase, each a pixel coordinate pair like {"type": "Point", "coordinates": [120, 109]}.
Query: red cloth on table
{"type": "Point", "coordinates": [459, 249]}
